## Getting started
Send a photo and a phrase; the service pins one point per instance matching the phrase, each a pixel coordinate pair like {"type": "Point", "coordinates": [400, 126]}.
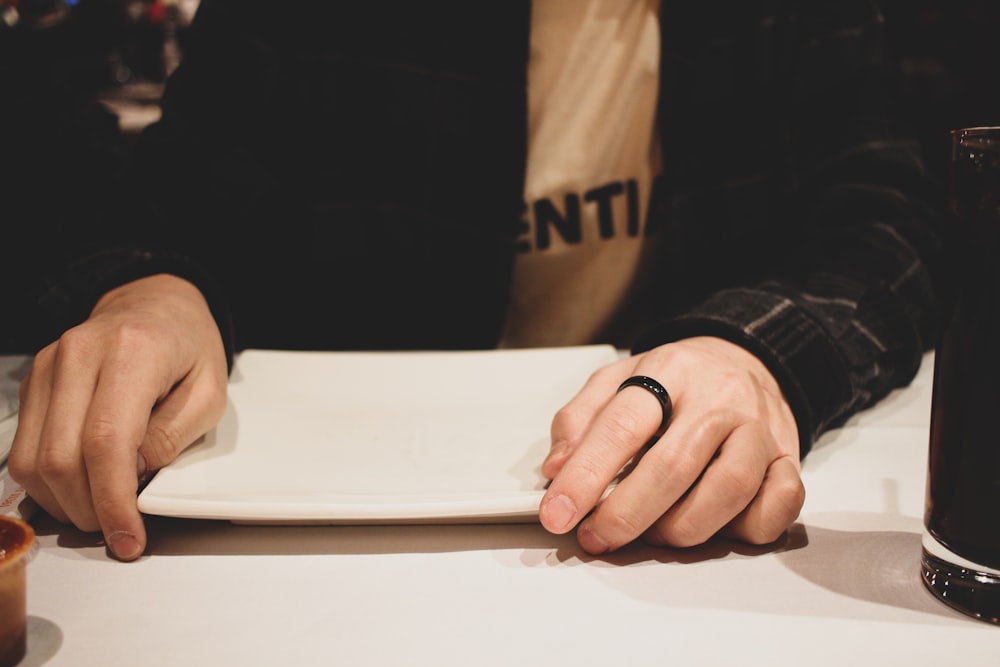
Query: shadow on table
{"type": "Point", "coordinates": [45, 638]}
{"type": "Point", "coordinates": [852, 555]}
{"type": "Point", "coordinates": [865, 563]}
{"type": "Point", "coordinates": [193, 537]}
{"type": "Point", "coordinates": [876, 566]}
{"type": "Point", "coordinates": [184, 537]}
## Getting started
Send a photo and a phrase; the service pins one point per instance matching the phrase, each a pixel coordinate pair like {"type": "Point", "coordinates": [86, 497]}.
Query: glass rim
{"type": "Point", "coordinates": [977, 129]}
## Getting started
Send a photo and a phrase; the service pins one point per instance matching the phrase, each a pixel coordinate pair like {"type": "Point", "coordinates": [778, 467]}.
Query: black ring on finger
{"type": "Point", "coordinates": [657, 390]}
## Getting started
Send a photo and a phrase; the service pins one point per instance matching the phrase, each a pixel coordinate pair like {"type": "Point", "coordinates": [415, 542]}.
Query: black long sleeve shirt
{"type": "Point", "coordinates": [351, 178]}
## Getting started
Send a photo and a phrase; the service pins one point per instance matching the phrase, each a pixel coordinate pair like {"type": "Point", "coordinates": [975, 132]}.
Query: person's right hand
{"type": "Point", "coordinates": [115, 399]}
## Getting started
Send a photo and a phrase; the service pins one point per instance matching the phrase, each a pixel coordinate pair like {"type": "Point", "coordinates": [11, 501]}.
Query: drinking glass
{"type": "Point", "coordinates": [960, 562]}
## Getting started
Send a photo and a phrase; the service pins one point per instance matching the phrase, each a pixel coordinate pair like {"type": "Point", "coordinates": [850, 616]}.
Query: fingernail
{"type": "Point", "coordinates": [591, 542]}
{"type": "Point", "coordinates": [124, 545]}
{"type": "Point", "coordinates": [559, 512]}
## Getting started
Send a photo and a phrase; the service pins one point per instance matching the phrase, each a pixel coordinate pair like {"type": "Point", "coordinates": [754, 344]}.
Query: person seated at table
{"type": "Point", "coordinates": [714, 186]}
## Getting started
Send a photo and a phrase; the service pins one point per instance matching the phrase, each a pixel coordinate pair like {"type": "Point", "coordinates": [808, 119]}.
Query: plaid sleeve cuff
{"type": "Point", "coordinates": [803, 359]}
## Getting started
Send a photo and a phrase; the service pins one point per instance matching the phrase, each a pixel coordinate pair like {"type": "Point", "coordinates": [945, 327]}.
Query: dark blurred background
{"type": "Point", "coordinates": [948, 69]}
{"type": "Point", "coordinates": [78, 79]}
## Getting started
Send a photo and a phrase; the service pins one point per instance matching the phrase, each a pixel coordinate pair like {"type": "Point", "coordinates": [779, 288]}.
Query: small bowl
{"type": "Point", "coordinates": [17, 540]}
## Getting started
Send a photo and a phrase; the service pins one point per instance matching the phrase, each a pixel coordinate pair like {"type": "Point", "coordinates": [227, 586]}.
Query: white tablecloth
{"type": "Point", "coordinates": [843, 588]}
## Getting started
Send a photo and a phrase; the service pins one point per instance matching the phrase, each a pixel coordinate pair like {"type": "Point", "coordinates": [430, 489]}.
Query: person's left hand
{"type": "Point", "coordinates": [729, 461]}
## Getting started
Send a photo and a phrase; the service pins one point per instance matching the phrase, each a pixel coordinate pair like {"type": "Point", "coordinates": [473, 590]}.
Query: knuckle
{"type": "Point", "coordinates": [568, 419]}
{"type": "Point", "coordinates": [602, 374]}
{"type": "Point", "coordinates": [45, 356]}
{"type": "Point", "coordinates": [734, 392]}
{"type": "Point", "coordinates": [133, 336]}
{"type": "Point", "coordinates": [83, 342]}
{"type": "Point", "coordinates": [219, 398]}
{"type": "Point", "coordinates": [790, 495]}
{"type": "Point", "coordinates": [733, 383]}
{"type": "Point", "coordinates": [761, 534]}
{"type": "Point", "coordinates": [678, 532]}
{"type": "Point", "coordinates": [163, 441]}
{"type": "Point", "coordinates": [783, 508]}
{"type": "Point", "coordinates": [76, 343]}
{"type": "Point", "coordinates": [674, 463]}
{"type": "Point", "coordinates": [100, 439]}
{"type": "Point", "coordinates": [22, 469]}
{"type": "Point", "coordinates": [625, 426]}
{"type": "Point", "coordinates": [56, 466]}
{"type": "Point", "coordinates": [41, 366]}
{"type": "Point", "coordinates": [618, 522]}
{"type": "Point", "coordinates": [741, 484]}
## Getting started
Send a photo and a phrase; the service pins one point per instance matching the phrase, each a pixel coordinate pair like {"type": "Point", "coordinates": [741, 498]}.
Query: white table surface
{"type": "Point", "coordinates": [843, 588]}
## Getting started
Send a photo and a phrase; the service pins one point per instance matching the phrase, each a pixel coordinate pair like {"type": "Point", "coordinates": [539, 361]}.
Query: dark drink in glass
{"type": "Point", "coordinates": [961, 544]}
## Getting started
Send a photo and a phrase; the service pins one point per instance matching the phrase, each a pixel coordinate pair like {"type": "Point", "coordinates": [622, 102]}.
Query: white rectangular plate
{"type": "Point", "coordinates": [377, 437]}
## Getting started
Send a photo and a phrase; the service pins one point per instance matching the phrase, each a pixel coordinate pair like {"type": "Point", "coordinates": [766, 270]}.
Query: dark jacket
{"type": "Point", "coordinates": [352, 178]}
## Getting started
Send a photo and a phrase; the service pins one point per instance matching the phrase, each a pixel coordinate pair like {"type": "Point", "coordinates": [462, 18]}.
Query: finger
{"type": "Point", "coordinates": [776, 506]}
{"type": "Point", "coordinates": [193, 408]}
{"type": "Point", "coordinates": [60, 459]}
{"type": "Point", "coordinates": [622, 428]}
{"type": "Point", "coordinates": [115, 427]}
{"type": "Point", "coordinates": [574, 419]}
{"type": "Point", "coordinates": [660, 478]}
{"type": "Point", "coordinates": [727, 486]}
{"type": "Point", "coordinates": [22, 464]}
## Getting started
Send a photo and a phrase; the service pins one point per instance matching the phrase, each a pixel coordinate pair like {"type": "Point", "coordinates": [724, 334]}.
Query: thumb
{"type": "Point", "coordinates": [175, 423]}
{"type": "Point", "coordinates": [189, 411]}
